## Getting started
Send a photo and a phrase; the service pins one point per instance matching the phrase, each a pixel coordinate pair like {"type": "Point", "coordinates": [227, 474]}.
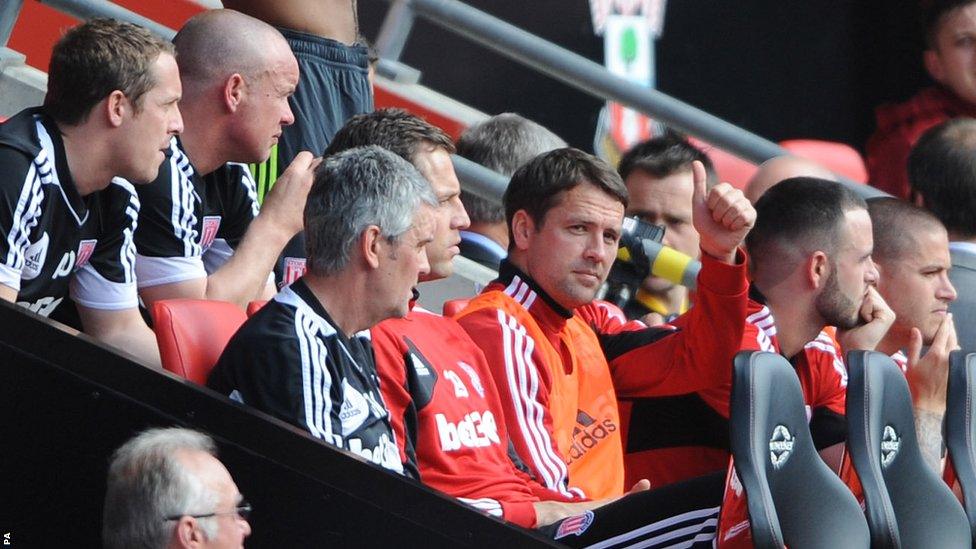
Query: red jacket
{"type": "Point", "coordinates": [823, 380]}
{"type": "Point", "coordinates": [677, 438]}
{"type": "Point", "coordinates": [899, 126]}
{"type": "Point", "coordinates": [559, 379]}
{"type": "Point", "coordinates": [443, 403]}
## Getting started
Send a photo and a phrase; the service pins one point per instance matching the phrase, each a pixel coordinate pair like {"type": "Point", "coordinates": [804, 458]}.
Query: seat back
{"type": "Point", "coordinates": [454, 306]}
{"type": "Point", "coordinates": [907, 504]}
{"type": "Point", "coordinates": [839, 158]}
{"type": "Point", "coordinates": [960, 431]}
{"type": "Point", "coordinates": [192, 333]}
{"type": "Point", "coordinates": [794, 498]}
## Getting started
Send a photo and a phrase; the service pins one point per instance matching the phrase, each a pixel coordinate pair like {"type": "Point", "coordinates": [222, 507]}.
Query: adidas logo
{"type": "Point", "coordinates": [588, 433]}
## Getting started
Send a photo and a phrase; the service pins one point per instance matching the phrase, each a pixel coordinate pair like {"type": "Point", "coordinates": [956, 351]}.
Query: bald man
{"type": "Point", "coordinates": [334, 87]}
{"type": "Point", "coordinates": [777, 169]}
{"type": "Point", "coordinates": [200, 232]}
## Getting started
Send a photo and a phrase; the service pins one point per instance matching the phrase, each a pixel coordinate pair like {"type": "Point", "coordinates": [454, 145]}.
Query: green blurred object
{"type": "Point", "coordinates": [628, 45]}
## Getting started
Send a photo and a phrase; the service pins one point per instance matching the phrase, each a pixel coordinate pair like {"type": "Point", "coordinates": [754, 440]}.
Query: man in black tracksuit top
{"type": "Point", "coordinates": [306, 357]}
{"type": "Point", "coordinates": [67, 226]}
{"type": "Point", "coordinates": [201, 234]}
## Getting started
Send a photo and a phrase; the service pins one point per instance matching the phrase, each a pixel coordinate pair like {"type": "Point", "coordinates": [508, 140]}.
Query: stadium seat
{"type": "Point", "coordinates": [836, 157]}
{"type": "Point", "coordinates": [960, 431]}
{"type": "Point", "coordinates": [255, 306]}
{"type": "Point", "coordinates": [794, 498]}
{"type": "Point", "coordinates": [454, 306]}
{"type": "Point", "coordinates": [907, 504]}
{"type": "Point", "coordinates": [192, 333]}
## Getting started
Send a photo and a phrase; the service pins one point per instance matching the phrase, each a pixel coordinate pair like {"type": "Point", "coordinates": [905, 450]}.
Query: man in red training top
{"type": "Point", "coordinates": [812, 246]}
{"type": "Point", "coordinates": [444, 405]}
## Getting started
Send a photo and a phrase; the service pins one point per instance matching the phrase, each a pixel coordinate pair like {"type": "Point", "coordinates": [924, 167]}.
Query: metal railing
{"type": "Point", "coordinates": [576, 71]}
{"type": "Point", "coordinates": [495, 34]}
{"type": "Point", "coordinates": [82, 9]}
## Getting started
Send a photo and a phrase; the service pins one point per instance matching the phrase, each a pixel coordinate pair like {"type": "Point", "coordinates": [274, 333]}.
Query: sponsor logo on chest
{"type": "Point", "coordinates": [43, 306]}
{"type": "Point", "coordinates": [474, 430]}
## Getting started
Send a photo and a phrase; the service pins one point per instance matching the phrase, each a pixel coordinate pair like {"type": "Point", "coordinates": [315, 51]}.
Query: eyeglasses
{"type": "Point", "coordinates": [242, 510]}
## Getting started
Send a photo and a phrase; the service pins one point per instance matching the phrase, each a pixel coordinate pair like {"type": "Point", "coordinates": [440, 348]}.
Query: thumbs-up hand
{"type": "Point", "coordinates": [722, 216]}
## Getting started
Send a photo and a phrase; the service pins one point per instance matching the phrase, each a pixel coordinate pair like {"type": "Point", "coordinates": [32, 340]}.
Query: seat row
{"type": "Point", "coordinates": [795, 500]}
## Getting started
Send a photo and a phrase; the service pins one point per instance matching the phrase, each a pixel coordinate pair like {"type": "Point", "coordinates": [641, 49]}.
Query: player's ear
{"type": "Point", "coordinates": [116, 105]}
{"type": "Point", "coordinates": [234, 91]}
{"type": "Point", "coordinates": [188, 533]}
{"type": "Point", "coordinates": [371, 245]}
{"type": "Point", "coordinates": [817, 269]}
{"type": "Point", "coordinates": [523, 226]}
{"type": "Point", "coordinates": [933, 64]}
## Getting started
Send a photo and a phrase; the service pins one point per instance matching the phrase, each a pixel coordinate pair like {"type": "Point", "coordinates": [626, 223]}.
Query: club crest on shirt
{"type": "Point", "coordinates": [210, 225]}
{"type": "Point", "coordinates": [34, 257]}
{"type": "Point", "coordinates": [85, 250]}
{"type": "Point", "coordinates": [574, 526]}
{"type": "Point", "coordinates": [294, 269]}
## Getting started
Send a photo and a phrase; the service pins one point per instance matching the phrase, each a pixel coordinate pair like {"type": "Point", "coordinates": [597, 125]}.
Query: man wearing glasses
{"type": "Point", "coordinates": [166, 488]}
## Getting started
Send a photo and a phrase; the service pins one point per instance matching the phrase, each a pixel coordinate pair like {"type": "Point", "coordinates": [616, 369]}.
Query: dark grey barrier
{"type": "Point", "coordinates": [66, 403]}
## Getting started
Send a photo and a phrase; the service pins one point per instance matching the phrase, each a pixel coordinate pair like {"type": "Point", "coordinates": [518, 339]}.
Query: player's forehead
{"type": "Point", "coordinates": [959, 20]}
{"type": "Point", "coordinates": [587, 203]}
{"type": "Point", "coordinates": [671, 193]}
{"type": "Point", "coordinates": [434, 163]}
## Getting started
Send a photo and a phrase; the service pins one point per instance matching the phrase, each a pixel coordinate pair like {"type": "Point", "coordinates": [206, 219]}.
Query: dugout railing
{"type": "Point", "coordinates": [67, 402]}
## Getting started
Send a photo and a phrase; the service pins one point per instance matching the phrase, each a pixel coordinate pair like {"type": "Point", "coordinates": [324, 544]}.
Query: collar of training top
{"type": "Point", "coordinates": [507, 273]}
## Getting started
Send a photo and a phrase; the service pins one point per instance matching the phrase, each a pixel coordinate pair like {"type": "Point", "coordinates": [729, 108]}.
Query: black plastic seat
{"type": "Point", "coordinates": [794, 498]}
{"type": "Point", "coordinates": [907, 504]}
{"type": "Point", "coordinates": [960, 429]}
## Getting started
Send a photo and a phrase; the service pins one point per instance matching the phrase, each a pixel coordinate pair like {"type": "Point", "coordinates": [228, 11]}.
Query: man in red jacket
{"type": "Point", "coordinates": [444, 404]}
{"type": "Point", "coordinates": [950, 35]}
{"type": "Point", "coordinates": [558, 378]}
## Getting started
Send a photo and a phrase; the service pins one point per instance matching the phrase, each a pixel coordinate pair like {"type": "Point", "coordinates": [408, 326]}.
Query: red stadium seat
{"type": "Point", "coordinates": [255, 306]}
{"type": "Point", "coordinates": [192, 333]}
{"type": "Point", "coordinates": [836, 157]}
{"type": "Point", "coordinates": [455, 306]}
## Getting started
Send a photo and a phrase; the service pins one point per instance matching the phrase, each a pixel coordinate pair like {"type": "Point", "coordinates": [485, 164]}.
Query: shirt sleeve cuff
{"type": "Point", "coordinates": [154, 271]}
{"type": "Point", "coordinates": [724, 279]}
{"type": "Point", "coordinates": [521, 513]}
{"type": "Point", "coordinates": [10, 277]}
{"type": "Point", "coordinates": [90, 289]}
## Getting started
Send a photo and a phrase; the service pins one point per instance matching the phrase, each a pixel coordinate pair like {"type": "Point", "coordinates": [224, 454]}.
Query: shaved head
{"type": "Point", "coordinates": [896, 226]}
{"type": "Point", "coordinates": [777, 169]}
{"type": "Point", "coordinates": [218, 43]}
